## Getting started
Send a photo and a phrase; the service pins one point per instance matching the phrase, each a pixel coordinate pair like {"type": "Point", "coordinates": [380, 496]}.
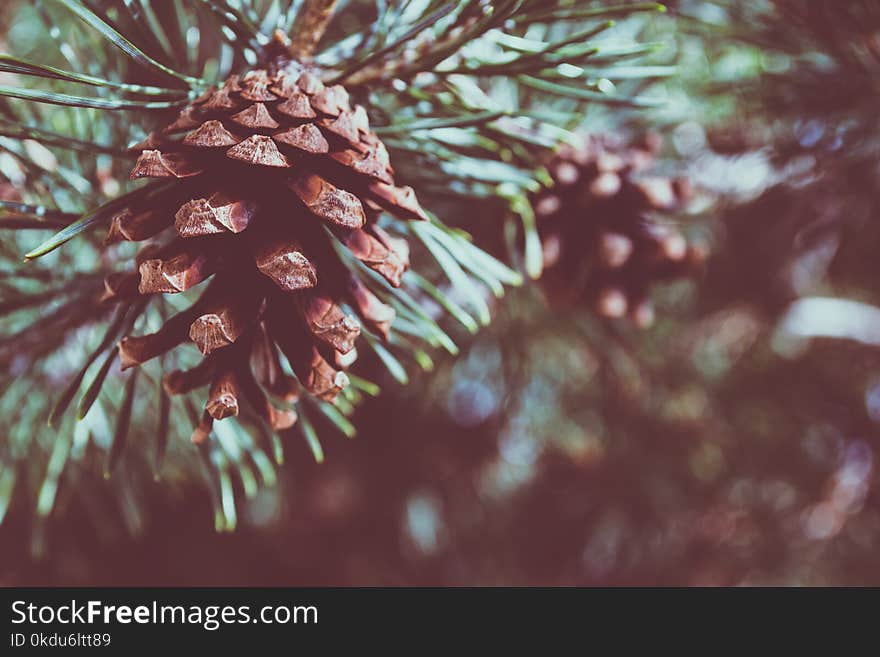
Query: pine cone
{"type": "Point", "coordinates": [599, 230]}
{"type": "Point", "coordinates": [267, 170]}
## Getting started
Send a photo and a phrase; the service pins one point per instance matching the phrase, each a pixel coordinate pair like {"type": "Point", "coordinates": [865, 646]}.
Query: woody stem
{"type": "Point", "coordinates": [309, 27]}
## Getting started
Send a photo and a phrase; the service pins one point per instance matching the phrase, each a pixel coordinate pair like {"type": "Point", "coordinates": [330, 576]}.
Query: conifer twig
{"type": "Point", "coordinates": [309, 27]}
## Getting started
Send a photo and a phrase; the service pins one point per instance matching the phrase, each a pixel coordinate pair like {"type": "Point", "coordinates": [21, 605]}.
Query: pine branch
{"type": "Point", "coordinates": [477, 126]}
{"type": "Point", "coordinates": [309, 26]}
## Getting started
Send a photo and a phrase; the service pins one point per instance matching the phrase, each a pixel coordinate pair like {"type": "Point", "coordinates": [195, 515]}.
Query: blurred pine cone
{"type": "Point", "coordinates": [601, 234]}
{"type": "Point", "coordinates": [264, 173]}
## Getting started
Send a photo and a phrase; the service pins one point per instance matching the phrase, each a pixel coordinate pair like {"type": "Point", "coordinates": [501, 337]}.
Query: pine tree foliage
{"type": "Point", "coordinates": [469, 97]}
{"type": "Point", "coordinates": [788, 92]}
{"type": "Point", "coordinates": [736, 442]}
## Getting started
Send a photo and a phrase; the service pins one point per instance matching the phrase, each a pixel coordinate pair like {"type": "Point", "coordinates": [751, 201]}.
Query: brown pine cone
{"type": "Point", "coordinates": [266, 171]}
{"type": "Point", "coordinates": [600, 230]}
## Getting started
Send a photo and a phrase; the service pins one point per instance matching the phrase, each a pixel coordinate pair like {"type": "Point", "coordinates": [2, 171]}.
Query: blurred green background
{"type": "Point", "coordinates": [731, 444]}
